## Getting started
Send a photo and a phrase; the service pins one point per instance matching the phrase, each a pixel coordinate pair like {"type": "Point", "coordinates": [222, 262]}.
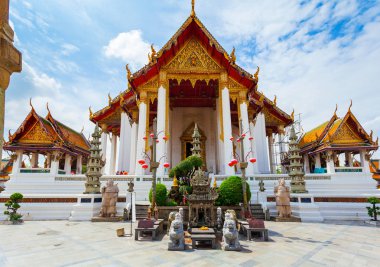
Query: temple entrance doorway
{"type": "Point", "coordinates": [187, 139]}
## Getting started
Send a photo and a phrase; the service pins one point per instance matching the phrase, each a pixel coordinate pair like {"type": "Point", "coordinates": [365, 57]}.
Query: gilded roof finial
{"type": "Point", "coordinates": [154, 53]}
{"type": "Point", "coordinates": [89, 109]}
{"type": "Point", "coordinates": [371, 135]}
{"type": "Point", "coordinates": [109, 99]}
{"type": "Point", "coordinates": [336, 109]}
{"type": "Point", "coordinates": [129, 74]}
{"type": "Point", "coordinates": [275, 100]}
{"type": "Point", "coordinates": [121, 98]}
{"type": "Point", "coordinates": [192, 8]}
{"type": "Point", "coordinates": [256, 75]}
{"type": "Point", "coordinates": [349, 108]}
{"type": "Point", "coordinates": [30, 103]}
{"type": "Point", "coordinates": [292, 115]}
{"type": "Point", "coordinates": [9, 135]}
{"type": "Point", "coordinates": [232, 56]}
{"type": "Point", "coordinates": [82, 129]}
{"type": "Point", "coordinates": [377, 141]}
{"type": "Point", "coordinates": [47, 107]}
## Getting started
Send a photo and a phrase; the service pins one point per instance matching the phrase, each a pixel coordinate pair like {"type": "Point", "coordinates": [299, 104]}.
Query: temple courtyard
{"type": "Point", "coordinates": [64, 243]}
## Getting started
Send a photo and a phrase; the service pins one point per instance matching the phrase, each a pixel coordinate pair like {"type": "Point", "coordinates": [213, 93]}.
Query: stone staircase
{"type": "Point", "coordinates": [141, 211]}
{"type": "Point", "coordinates": [257, 211]}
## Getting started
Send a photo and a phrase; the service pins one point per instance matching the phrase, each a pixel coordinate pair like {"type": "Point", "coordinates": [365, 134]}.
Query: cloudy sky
{"type": "Point", "coordinates": [312, 54]}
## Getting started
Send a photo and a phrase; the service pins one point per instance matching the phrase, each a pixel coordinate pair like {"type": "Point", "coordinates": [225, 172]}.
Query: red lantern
{"type": "Point", "coordinates": [231, 138]}
{"type": "Point", "coordinates": [243, 135]}
{"type": "Point", "coordinates": [166, 165]}
{"type": "Point", "coordinates": [230, 164]}
{"type": "Point", "coordinates": [165, 138]}
{"type": "Point", "coordinates": [157, 141]}
{"type": "Point", "coordinates": [144, 166]}
{"type": "Point", "coordinates": [252, 160]}
{"type": "Point", "coordinates": [238, 140]}
{"type": "Point", "coordinates": [145, 138]}
{"type": "Point", "coordinates": [151, 135]}
{"type": "Point", "coordinates": [141, 161]}
{"type": "Point", "coordinates": [234, 161]}
{"type": "Point", "coordinates": [250, 138]}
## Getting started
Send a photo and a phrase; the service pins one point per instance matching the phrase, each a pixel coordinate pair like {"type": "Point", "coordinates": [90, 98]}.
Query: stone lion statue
{"type": "Point", "coordinates": [230, 234]}
{"type": "Point", "coordinates": [176, 234]}
{"type": "Point", "coordinates": [171, 218]}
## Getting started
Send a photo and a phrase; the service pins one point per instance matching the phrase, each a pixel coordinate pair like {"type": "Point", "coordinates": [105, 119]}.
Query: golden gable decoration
{"type": "Point", "coordinates": [36, 135]}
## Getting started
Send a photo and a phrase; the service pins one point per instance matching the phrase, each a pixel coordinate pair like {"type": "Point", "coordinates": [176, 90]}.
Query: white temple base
{"type": "Point", "coordinates": [87, 207]}
{"type": "Point", "coordinates": [305, 208]}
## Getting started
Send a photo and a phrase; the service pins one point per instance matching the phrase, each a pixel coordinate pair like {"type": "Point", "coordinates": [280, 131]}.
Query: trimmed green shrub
{"type": "Point", "coordinates": [161, 195]}
{"type": "Point", "coordinates": [186, 167]}
{"type": "Point", "coordinates": [171, 203]}
{"type": "Point", "coordinates": [231, 192]}
{"type": "Point", "coordinates": [373, 211]}
{"type": "Point", "coordinates": [12, 206]}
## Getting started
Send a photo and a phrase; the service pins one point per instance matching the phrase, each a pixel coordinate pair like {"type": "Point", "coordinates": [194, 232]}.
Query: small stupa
{"type": "Point", "coordinates": [297, 184]}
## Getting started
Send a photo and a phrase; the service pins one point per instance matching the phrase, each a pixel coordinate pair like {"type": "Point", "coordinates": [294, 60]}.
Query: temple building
{"type": "Point", "coordinates": [337, 145]}
{"type": "Point", "coordinates": [51, 146]}
{"type": "Point", "coordinates": [191, 79]}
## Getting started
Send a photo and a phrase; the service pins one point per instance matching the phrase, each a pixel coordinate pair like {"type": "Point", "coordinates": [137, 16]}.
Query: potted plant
{"type": "Point", "coordinates": [12, 206]}
{"type": "Point", "coordinates": [373, 211]}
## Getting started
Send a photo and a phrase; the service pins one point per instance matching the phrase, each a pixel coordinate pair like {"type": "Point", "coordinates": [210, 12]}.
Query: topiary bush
{"type": "Point", "coordinates": [12, 206]}
{"type": "Point", "coordinates": [161, 195]}
{"type": "Point", "coordinates": [231, 192]}
{"type": "Point", "coordinates": [373, 211]}
{"type": "Point", "coordinates": [186, 167]}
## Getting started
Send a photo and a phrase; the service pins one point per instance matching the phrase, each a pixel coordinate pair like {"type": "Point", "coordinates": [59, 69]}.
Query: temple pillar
{"type": "Point", "coordinates": [330, 166]}
{"type": "Point", "coordinates": [67, 168]}
{"type": "Point", "coordinates": [104, 140]}
{"type": "Point", "coordinates": [2, 111]}
{"type": "Point", "coordinates": [54, 165]}
{"type": "Point", "coordinates": [318, 160]}
{"type": "Point", "coordinates": [227, 127]}
{"type": "Point", "coordinates": [161, 126]}
{"type": "Point", "coordinates": [132, 154]}
{"type": "Point", "coordinates": [306, 163]}
{"type": "Point", "coordinates": [271, 152]}
{"type": "Point", "coordinates": [140, 150]}
{"type": "Point", "coordinates": [253, 145]}
{"type": "Point", "coordinates": [364, 161]}
{"type": "Point", "coordinates": [34, 160]}
{"type": "Point", "coordinates": [124, 143]}
{"type": "Point", "coordinates": [47, 161]}
{"type": "Point", "coordinates": [261, 144]}
{"type": "Point", "coordinates": [348, 159]}
{"type": "Point", "coordinates": [17, 163]}
{"type": "Point", "coordinates": [79, 164]}
{"type": "Point", "coordinates": [282, 148]}
{"type": "Point", "coordinates": [113, 154]}
{"type": "Point", "coordinates": [246, 130]}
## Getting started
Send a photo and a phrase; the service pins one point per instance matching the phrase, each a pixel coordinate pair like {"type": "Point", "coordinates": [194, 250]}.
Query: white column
{"type": "Point", "coordinates": [254, 149]}
{"type": "Point", "coordinates": [103, 140]}
{"type": "Point", "coordinates": [364, 162]}
{"type": "Point", "coordinates": [348, 159]}
{"type": "Point", "coordinates": [17, 163]}
{"type": "Point", "coordinates": [247, 131]}
{"type": "Point", "coordinates": [67, 164]}
{"type": "Point", "coordinates": [330, 162]}
{"type": "Point", "coordinates": [281, 141]}
{"type": "Point", "coordinates": [306, 164]}
{"type": "Point", "coordinates": [132, 155]}
{"type": "Point", "coordinates": [113, 154]}
{"type": "Point", "coordinates": [261, 144]}
{"type": "Point", "coordinates": [140, 138]}
{"type": "Point", "coordinates": [271, 153]}
{"type": "Point", "coordinates": [54, 165]}
{"type": "Point", "coordinates": [317, 160]}
{"type": "Point", "coordinates": [79, 164]}
{"type": "Point", "coordinates": [34, 160]}
{"type": "Point", "coordinates": [124, 143]}
{"type": "Point", "coordinates": [161, 124]}
{"type": "Point", "coordinates": [227, 130]}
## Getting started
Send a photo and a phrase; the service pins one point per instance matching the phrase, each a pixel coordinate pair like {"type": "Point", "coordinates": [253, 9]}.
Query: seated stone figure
{"type": "Point", "coordinates": [230, 234]}
{"type": "Point", "coordinates": [176, 234]}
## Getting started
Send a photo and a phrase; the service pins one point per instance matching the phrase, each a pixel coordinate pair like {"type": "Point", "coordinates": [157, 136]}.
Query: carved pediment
{"type": "Point", "coordinates": [36, 135]}
{"type": "Point", "coordinates": [346, 135]}
{"type": "Point", "coordinates": [193, 58]}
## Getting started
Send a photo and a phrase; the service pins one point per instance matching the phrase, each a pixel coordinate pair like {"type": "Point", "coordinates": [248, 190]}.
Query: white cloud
{"type": "Point", "coordinates": [68, 49]}
{"type": "Point", "coordinates": [42, 81]}
{"type": "Point", "coordinates": [130, 47]}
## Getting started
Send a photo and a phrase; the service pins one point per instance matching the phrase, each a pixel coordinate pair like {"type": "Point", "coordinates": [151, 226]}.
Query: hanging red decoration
{"type": "Point", "coordinates": [165, 138]}
{"type": "Point", "coordinates": [144, 166]}
{"type": "Point", "coordinates": [141, 161]}
{"type": "Point", "coordinates": [166, 165]}
{"type": "Point", "coordinates": [250, 138]}
{"type": "Point", "coordinates": [252, 160]}
{"type": "Point", "coordinates": [151, 135]}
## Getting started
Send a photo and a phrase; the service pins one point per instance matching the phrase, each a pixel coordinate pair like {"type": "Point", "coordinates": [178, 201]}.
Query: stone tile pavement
{"type": "Point", "coordinates": [63, 243]}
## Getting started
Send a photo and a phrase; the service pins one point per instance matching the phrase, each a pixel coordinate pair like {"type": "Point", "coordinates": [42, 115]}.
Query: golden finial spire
{"type": "Point", "coordinates": [129, 74]}
{"type": "Point", "coordinates": [89, 109]}
{"type": "Point", "coordinates": [377, 141]}
{"type": "Point", "coordinates": [256, 75]}
{"type": "Point", "coordinates": [371, 135]}
{"type": "Point", "coordinates": [30, 103]}
{"type": "Point", "coordinates": [232, 56]}
{"type": "Point", "coordinates": [175, 181]}
{"type": "Point", "coordinates": [336, 109]}
{"type": "Point", "coordinates": [275, 100]}
{"type": "Point", "coordinates": [192, 8]}
{"type": "Point", "coordinates": [349, 108]}
{"type": "Point", "coordinates": [292, 115]}
{"type": "Point", "coordinates": [47, 107]}
{"type": "Point", "coordinates": [109, 99]}
{"type": "Point", "coordinates": [214, 185]}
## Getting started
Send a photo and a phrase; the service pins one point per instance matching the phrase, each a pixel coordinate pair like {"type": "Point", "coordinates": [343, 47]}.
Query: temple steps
{"type": "Point", "coordinates": [257, 211]}
{"type": "Point", "coordinates": [141, 211]}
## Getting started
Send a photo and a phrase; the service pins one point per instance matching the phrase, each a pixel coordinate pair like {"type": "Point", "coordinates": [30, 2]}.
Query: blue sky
{"type": "Point", "coordinates": [312, 54]}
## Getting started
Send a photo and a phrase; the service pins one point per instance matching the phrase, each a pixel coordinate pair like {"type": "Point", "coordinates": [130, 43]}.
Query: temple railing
{"type": "Point", "coordinates": [348, 169]}
{"type": "Point", "coordinates": [34, 170]}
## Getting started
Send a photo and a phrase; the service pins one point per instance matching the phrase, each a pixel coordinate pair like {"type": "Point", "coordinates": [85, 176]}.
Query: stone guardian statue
{"type": "Point", "coordinates": [230, 234]}
{"type": "Point", "coordinates": [176, 234]}
{"type": "Point", "coordinates": [110, 193]}
{"type": "Point", "coordinates": [282, 194]}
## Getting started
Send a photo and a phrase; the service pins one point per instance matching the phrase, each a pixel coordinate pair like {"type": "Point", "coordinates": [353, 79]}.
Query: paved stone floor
{"type": "Point", "coordinates": [63, 243]}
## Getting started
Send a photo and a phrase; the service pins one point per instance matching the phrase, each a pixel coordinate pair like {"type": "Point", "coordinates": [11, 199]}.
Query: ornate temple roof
{"type": "Point", "coordinates": [46, 134]}
{"type": "Point", "coordinates": [337, 134]}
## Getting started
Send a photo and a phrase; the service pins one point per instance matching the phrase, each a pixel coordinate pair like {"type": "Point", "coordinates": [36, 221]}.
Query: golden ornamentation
{"type": "Point", "coordinates": [349, 108]}
{"type": "Point", "coordinates": [275, 100]}
{"type": "Point", "coordinates": [192, 14]}
{"type": "Point", "coordinates": [371, 136]}
{"type": "Point", "coordinates": [292, 115]}
{"type": "Point", "coordinates": [256, 75]}
{"type": "Point", "coordinates": [153, 55]}
{"type": "Point", "coordinates": [109, 99]}
{"type": "Point", "coordinates": [270, 119]}
{"type": "Point", "coordinates": [151, 85]}
{"type": "Point", "coordinates": [36, 135]}
{"type": "Point", "coordinates": [345, 135]}
{"type": "Point", "coordinates": [129, 73]}
{"type": "Point", "coordinates": [262, 97]}
{"type": "Point", "coordinates": [143, 96]}
{"type": "Point", "coordinates": [232, 56]}
{"type": "Point", "coordinates": [193, 58]}
{"type": "Point", "coordinates": [91, 114]}
{"type": "Point", "coordinates": [336, 109]}
{"type": "Point", "coordinates": [175, 181]}
{"type": "Point", "coordinates": [152, 96]}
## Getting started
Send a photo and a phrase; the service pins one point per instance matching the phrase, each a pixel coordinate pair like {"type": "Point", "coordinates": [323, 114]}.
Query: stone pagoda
{"type": "Point", "coordinates": [94, 165]}
{"type": "Point", "coordinates": [296, 173]}
{"type": "Point", "coordinates": [201, 201]}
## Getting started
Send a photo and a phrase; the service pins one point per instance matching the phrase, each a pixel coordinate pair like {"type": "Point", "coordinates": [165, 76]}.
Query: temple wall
{"type": "Point", "coordinates": [181, 119]}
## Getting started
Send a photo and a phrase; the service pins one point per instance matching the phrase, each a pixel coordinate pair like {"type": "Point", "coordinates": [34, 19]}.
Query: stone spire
{"type": "Point", "coordinates": [94, 164]}
{"type": "Point", "coordinates": [296, 173]}
{"type": "Point", "coordinates": [196, 142]}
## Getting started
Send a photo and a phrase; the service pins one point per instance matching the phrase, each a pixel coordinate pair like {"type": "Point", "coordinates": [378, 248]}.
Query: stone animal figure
{"type": "Point", "coordinates": [110, 193]}
{"type": "Point", "coordinates": [230, 234]}
{"type": "Point", "coordinates": [282, 194]}
{"type": "Point", "coordinates": [176, 234]}
{"type": "Point", "coordinates": [171, 219]}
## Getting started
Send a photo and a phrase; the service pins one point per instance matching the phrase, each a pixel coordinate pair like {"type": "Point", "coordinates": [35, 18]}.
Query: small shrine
{"type": "Point", "coordinates": [202, 199]}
